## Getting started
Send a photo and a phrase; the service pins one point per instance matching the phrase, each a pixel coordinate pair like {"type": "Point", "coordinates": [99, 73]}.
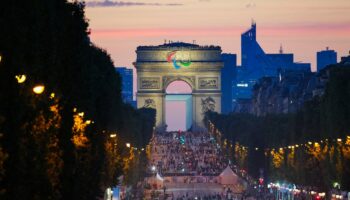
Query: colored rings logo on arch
{"type": "Point", "coordinates": [171, 58]}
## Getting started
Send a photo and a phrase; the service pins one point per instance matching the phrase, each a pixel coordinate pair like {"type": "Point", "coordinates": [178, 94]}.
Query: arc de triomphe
{"type": "Point", "coordinates": [198, 66]}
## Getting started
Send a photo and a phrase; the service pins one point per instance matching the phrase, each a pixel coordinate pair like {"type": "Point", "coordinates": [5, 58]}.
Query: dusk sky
{"type": "Point", "coordinates": [303, 27]}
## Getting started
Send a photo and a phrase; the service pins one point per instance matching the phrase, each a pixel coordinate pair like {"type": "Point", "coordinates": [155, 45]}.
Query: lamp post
{"type": "Point", "coordinates": [113, 137]}
{"type": "Point", "coordinates": [21, 78]}
{"type": "Point", "coordinates": [38, 89]}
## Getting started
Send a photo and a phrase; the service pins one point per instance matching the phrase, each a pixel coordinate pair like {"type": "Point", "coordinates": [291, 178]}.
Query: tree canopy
{"type": "Point", "coordinates": [59, 144]}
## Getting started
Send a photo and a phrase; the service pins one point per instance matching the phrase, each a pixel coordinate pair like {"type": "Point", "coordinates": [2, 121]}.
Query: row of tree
{"type": "Point", "coordinates": [67, 142]}
{"type": "Point", "coordinates": [310, 147]}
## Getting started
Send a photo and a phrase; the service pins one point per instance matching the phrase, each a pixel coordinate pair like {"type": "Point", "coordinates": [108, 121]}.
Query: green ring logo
{"type": "Point", "coordinates": [171, 57]}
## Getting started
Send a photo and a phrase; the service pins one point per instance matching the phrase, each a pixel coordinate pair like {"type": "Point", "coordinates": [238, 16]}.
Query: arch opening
{"type": "Point", "coordinates": [178, 87]}
{"type": "Point", "coordinates": [178, 106]}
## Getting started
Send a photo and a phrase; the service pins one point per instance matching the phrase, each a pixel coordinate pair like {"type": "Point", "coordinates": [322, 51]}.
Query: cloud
{"type": "Point", "coordinates": [166, 32]}
{"type": "Point", "coordinates": [109, 3]}
{"type": "Point", "coordinates": [307, 30]}
{"type": "Point", "coordinates": [250, 5]}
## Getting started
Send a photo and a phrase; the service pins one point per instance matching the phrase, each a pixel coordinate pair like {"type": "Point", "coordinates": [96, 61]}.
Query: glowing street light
{"type": "Point", "coordinates": [21, 78]}
{"type": "Point", "coordinates": [113, 135]}
{"type": "Point", "coordinates": [81, 114]}
{"type": "Point", "coordinates": [88, 122]}
{"type": "Point", "coordinates": [52, 95]}
{"type": "Point", "coordinates": [153, 168]}
{"type": "Point", "coordinates": [336, 185]}
{"type": "Point", "coordinates": [128, 145]}
{"type": "Point", "coordinates": [38, 89]}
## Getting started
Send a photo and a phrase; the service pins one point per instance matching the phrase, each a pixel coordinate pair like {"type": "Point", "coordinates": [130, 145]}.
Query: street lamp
{"type": "Point", "coordinates": [336, 185]}
{"type": "Point", "coordinates": [38, 89]}
{"type": "Point", "coordinates": [21, 78]}
{"type": "Point", "coordinates": [52, 95]}
{"type": "Point", "coordinates": [153, 168]}
{"type": "Point", "coordinates": [128, 145]}
{"type": "Point", "coordinates": [113, 135]}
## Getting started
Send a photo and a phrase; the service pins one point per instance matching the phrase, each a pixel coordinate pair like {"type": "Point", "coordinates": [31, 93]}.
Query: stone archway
{"type": "Point", "coordinates": [198, 66]}
{"type": "Point", "coordinates": [178, 106]}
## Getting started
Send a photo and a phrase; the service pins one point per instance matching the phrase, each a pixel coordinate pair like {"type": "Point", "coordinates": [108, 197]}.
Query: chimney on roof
{"type": "Point", "coordinates": [281, 49]}
{"type": "Point", "coordinates": [253, 23]}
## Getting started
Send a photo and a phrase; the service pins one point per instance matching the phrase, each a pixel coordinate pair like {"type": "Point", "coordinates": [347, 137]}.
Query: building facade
{"type": "Point", "coordinates": [326, 57]}
{"type": "Point", "coordinates": [228, 75]}
{"type": "Point", "coordinates": [127, 83]}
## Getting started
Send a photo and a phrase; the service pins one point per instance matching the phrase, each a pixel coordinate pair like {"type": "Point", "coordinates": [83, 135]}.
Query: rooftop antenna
{"type": "Point", "coordinates": [164, 41]}
{"type": "Point", "coordinates": [281, 49]}
{"type": "Point", "coordinates": [253, 22]}
{"type": "Point", "coordinates": [327, 48]}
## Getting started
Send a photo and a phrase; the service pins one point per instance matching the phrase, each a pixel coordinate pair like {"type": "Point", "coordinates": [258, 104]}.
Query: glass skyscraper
{"type": "Point", "coordinates": [127, 83]}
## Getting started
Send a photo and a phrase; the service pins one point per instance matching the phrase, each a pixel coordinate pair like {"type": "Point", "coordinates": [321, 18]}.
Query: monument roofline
{"type": "Point", "coordinates": [178, 45]}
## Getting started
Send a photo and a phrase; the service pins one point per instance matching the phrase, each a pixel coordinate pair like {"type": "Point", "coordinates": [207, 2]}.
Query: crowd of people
{"type": "Point", "coordinates": [187, 166]}
{"type": "Point", "coordinates": [186, 153]}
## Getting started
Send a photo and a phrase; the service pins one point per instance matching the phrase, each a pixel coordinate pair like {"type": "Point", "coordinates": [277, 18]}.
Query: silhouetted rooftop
{"type": "Point", "coordinates": [176, 45]}
{"type": "Point", "coordinates": [179, 44]}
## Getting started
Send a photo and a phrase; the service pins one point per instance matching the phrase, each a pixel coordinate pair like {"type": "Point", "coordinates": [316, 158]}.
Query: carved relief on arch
{"type": "Point", "coordinates": [149, 103]}
{"type": "Point", "coordinates": [190, 80]}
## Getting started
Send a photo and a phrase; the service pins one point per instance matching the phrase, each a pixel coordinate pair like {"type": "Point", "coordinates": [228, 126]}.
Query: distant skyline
{"type": "Point", "coordinates": [303, 27]}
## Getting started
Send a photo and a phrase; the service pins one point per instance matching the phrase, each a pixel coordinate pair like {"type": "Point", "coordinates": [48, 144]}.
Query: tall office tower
{"type": "Point", "coordinates": [254, 59]}
{"type": "Point", "coordinates": [326, 57]}
{"type": "Point", "coordinates": [257, 64]}
{"type": "Point", "coordinates": [127, 83]}
{"type": "Point", "coordinates": [228, 75]}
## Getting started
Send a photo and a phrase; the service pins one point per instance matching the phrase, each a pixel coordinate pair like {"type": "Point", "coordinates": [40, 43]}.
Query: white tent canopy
{"type": "Point", "coordinates": [159, 178]}
{"type": "Point", "coordinates": [228, 177]}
